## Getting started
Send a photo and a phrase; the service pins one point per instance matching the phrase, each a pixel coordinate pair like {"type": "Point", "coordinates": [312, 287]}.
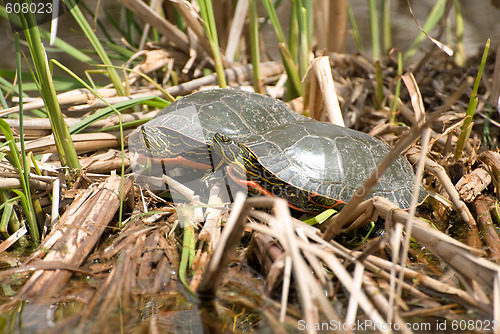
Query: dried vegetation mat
{"type": "Point", "coordinates": [253, 265]}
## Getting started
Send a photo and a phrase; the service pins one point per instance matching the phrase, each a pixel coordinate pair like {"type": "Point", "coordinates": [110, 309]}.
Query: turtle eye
{"type": "Point", "coordinates": [226, 140]}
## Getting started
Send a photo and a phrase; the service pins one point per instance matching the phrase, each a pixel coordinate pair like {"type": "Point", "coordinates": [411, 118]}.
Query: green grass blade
{"type": "Point", "coordinates": [4, 221]}
{"type": "Point", "coordinates": [188, 243]}
{"type": "Point", "coordinates": [67, 48]}
{"type": "Point", "coordinates": [291, 70]}
{"type": "Point", "coordinates": [25, 169]}
{"type": "Point", "coordinates": [355, 29]}
{"type": "Point", "coordinates": [147, 78]}
{"type": "Point", "coordinates": [271, 12]}
{"type": "Point", "coordinates": [320, 218]}
{"type": "Point", "coordinates": [9, 220]}
{"type": "Point", "coordinates": [121, 52]}
{"type": "Point", "coordinates": [130, 28]}
{"type": "Point", "coordinates": [293, 35]}
{"type": "Point", "coordinates": [385, 6]}
{"type": "Point", "coordinates": [459, 33]}
{"type": "Point", "coordinates": [433, 19]}
{"type": "Point", "coordinates": [15, 158]}
{"type": "Point", "coordinates": [61, 83]}
{"type": "Point", "coordinates": [304, 44]}
{"type": "Point", "coordinates": [471, 108]}
{"type": "Point", "coordinates": [91, 36]}
{"type": "Point", "coordinates": [286, 56]}
{"type": "Point", "coordinates": [188, 254]}
{"type": "Point", "coordinates": [29, 210]}
{"type": "Point", "coordinates": [105, 112]}
{"type": "Point", "coordinates": [122, 145]}
{"type": "Point", "coordinates": [110, 19]}
{"type": "Point", "coordinates": [43, 77]}
{"type": "Point", "coordinates": [374, 30]}
{"type": "Point", "coordinates": [254, 46]}
{"type": "Point", "coordinates": [59, 43]}
{"type": "Point", "coordinates": [3, 102]}
{"type": "Point", "coordinates": [207, 14]}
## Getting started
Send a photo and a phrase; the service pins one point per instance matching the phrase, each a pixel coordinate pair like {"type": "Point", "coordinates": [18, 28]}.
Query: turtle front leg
{"type": "Point", "coordinates": [209, 177]}
{"type": "Point", "coordinates": [210, 174]}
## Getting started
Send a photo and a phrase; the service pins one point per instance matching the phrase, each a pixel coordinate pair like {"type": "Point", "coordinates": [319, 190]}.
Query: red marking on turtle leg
{"type": "Point", "coordinates": [336, 204]}
{"type": "Point", "coordinates": [187, 163]}
{"type": "Point", "coordinates": [247, 183]}
{"type": "Point", "coordinates": [178, 161]}
{"type": "Point", "coordinates": [263, 191]}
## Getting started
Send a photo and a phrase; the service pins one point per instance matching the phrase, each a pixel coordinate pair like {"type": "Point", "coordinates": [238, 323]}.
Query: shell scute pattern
{"type": "Point", "coordinates": [331, 161]}
{"type": "Point", "coordinates": [232, 112]}
{"type": "Point", "coordinates": [186, 126]}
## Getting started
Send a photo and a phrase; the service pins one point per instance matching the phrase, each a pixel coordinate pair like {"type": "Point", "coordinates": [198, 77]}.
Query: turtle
{"type": "Point", "coordinates": [314, 165]}
{"type": "Point", "coordinates": [181, 133]}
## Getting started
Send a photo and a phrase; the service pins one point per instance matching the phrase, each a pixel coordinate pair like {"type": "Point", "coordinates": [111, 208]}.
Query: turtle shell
{"type": "Point", "coordinates": [316, 165]}
{"type": "Point", "coordinates": [187, 126]}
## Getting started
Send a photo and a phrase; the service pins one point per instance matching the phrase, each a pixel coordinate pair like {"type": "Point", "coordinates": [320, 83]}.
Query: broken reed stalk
{"type": "Point", "coordinates": [487, 227]}
{"type": "Point", "coordinates": [282, 228]}
{"type": "Point", "coordinates": [236, 30]}
{"type": "Point", "coordinates": [74, 236]}
{"type": "Point", "coordinates": [492, 160]}
{"type": "Point", "coordinates": [328, 98]}
{"type": "Point", "coordinates": [419, 110]}
{"type": "Point", "coordinates": [336, 26]}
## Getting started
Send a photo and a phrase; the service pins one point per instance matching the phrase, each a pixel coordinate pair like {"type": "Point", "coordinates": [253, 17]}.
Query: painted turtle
{"type": "Point", "coordinates": [180, 133]}
{"type": "Point", "coordinates": [314, 165]}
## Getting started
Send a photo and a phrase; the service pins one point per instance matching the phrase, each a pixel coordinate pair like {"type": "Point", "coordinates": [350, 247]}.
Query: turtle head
{"type": "Point", "coordinates": [229, 150]}
{"type": "Point", "coordinates": [232, 152]}
{"type": "Point", "coordinates": [153, 140]}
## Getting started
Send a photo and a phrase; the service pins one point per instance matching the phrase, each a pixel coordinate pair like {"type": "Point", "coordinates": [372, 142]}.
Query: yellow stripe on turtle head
{"type": "Point", "coordinates": [155, 140]}
{"type": "Point", "coordinates": [233, 153]}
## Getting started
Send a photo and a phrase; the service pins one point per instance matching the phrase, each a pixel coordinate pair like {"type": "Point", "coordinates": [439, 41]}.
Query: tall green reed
{"type": "Point", "coordinates": [207, 14]}
{"type": "Point", "coordinates": [290, 64]}
{"type": "Point", "coordinates": [92, 37]}
{"type": "Point", "coordinates": [19, 160]}
{"type": "Point", "coordinates": [471, 108]}
{"type": "Point", "coordinates": [43, 79]}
